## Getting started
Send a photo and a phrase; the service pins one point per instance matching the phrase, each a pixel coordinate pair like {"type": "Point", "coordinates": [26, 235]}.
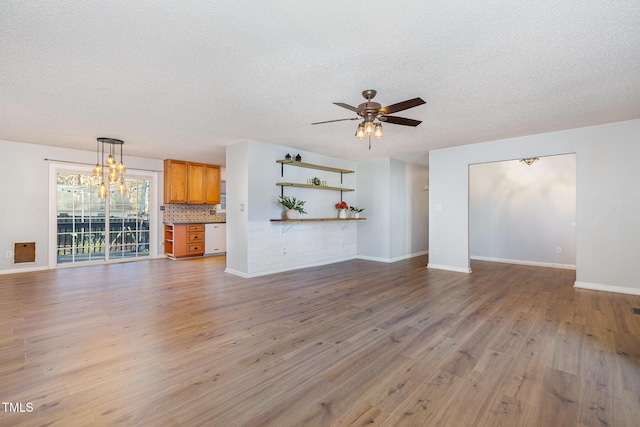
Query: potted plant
{"type": "Point", "coordinates": [294, 206]}
{"type": "Point", "coordinates": [356, 211]}
{"type": "Point", "coordinates": [342, 209]}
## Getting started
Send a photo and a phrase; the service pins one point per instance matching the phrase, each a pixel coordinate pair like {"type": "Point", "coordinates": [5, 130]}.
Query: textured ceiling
{"type": "Point", "coordinates": [184, 79]}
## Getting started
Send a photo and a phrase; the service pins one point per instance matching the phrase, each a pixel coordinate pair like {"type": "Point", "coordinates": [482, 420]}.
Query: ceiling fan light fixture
{"type": "Point", "coordinates": [377, 132]}
{"type": "Point", "coordinates": [368, 128]}
{"type": "Point", "coordinates": [373, 113]}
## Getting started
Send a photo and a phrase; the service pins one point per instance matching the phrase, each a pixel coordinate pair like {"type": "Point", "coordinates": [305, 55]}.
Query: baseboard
{"type": "Point", "coordinates": [23, 270]}
{"type": "Point", "coordinates": [390, 260]}
{"type": "Point", "coordinates": [606, 288]}
{"type": "Point", "coordinates": [236, 273]}
{"type": "Point", "coordinates": [521, 262]}
{"type": "Point", "coordinates": [448, 268]}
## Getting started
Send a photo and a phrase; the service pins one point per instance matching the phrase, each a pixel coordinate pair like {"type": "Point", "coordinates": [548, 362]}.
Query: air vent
{"type": "Point", "coordinates": [635, 310]}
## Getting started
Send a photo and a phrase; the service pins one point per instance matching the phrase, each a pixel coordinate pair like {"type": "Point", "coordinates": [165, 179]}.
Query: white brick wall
{"type": "Point", "coordinates": [306, 243]}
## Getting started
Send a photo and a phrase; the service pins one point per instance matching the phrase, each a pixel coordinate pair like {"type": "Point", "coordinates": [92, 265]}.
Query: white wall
{"type": "Point", "coordinates": [409, 210]}
{"type": "Point", "coordinates": [522, 214]}
{"type": "Point", "coordinates": [374, 194]}
{"type": "Point", "coordinates": [607, 202]}
{"type": "Point", "coordinates": [24, 213]}
{"type": "Point", "coordinates": [237, 176]}
{"type": "Point", "coordinates": [392, 192]}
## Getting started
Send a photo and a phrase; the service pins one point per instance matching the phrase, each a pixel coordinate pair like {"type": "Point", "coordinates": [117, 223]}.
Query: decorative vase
{"type": "Point", "coordinates": [292, 214]}
{"type": "Point", "coordinates": [342, 213]}
{"type": "Point", "coordinates": [356, 214]}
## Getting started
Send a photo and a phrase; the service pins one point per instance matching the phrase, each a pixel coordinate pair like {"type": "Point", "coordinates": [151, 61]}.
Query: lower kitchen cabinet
{"type": "Point", "coordinates": [183, 240]}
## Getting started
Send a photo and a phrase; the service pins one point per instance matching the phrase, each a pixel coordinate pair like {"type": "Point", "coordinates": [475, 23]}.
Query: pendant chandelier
{"type": "Point", "coordinates": [110, 170]}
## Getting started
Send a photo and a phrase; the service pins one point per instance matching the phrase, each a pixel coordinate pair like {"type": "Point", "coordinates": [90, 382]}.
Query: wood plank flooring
{"type": "Point", "coordinates": [181, 343]}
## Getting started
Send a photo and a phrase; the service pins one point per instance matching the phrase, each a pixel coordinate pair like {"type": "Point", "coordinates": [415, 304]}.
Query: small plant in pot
{"type": "Point", "coordinates": [356, 211]}
{"type": "Point", "coordinates": [294, 206]}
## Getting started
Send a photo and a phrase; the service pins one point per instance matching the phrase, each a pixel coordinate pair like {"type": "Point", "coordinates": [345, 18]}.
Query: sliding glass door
{"type": "Point", "coordinates": [93, 229]}
{"type": "Point", "coordinates": [129, 220]}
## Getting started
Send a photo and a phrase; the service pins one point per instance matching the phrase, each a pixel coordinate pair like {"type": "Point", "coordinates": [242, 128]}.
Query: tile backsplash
{"type": "Point", "coordinates": [192, 213]}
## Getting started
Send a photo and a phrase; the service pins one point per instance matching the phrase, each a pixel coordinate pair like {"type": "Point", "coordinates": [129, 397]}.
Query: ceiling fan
{"type": "Point", "coordinates": [374, 114]}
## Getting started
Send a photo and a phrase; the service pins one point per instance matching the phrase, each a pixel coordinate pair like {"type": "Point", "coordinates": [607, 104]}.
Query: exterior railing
{"type": "Point", "coordinates": [85, 235]}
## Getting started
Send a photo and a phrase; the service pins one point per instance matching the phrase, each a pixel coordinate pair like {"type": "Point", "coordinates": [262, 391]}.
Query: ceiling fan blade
{"type": "Point", "coordinates": [339, 120]}
{"type": "Point", "coordinates": [400, 121]}
{"type": "Point", "coordinates": [404, 105]}
{"type": "Point", "coordinates": [347, 106]}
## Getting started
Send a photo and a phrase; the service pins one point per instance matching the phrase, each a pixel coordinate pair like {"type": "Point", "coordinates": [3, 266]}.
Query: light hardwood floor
{"type": "Point", "coordinates": [181, 343]}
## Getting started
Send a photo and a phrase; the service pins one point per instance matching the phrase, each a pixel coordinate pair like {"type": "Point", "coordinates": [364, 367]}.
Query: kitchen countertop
{"type": "Point", "coordinates": [194, 222]}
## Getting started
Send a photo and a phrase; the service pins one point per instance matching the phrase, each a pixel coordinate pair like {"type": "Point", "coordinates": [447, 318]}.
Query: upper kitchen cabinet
{"type": "Point", "coordinates": [211, 184]}
{"type": "Point", "coordinates": [191, 183]}
{"type": "Point", "coordinates": [175, 181]}
{"type": "Point", "coordinates": [195, 180]}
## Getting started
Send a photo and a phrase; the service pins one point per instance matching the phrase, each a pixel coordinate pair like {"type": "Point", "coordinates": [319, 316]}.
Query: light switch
{"type": "Point", "coordinates": [241, 207]}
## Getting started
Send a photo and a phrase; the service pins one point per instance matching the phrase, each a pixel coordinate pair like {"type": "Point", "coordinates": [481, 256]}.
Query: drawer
{"type": "Point", "coordinates": [195, 237]}
{"type": "Point", "coordinates": [195, 249]}
{"type": "Point", "coordinates": [195, 227]}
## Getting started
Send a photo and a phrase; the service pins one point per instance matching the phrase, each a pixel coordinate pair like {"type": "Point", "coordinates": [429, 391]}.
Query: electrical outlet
{"type": "Point", "coordinates": [558, 250]}
{"type": "Point", "coordinates": [284, 251]}
{"type": "Point", "coordinates": [9, 254]}
{"type": "Point", "coordinates": [437, 251]}
{"type": "Point", "coordinates": [241, 207]}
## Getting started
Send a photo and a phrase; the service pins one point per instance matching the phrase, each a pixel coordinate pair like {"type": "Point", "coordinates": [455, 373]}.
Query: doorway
{"type": "Point", "coordinates": [523, 213]}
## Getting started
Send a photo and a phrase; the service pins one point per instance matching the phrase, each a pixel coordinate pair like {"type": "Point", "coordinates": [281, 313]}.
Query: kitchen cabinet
{"type": "Point", "coordinates": [211, 188]}
{"type": "Point", "coordinates": [191, 182]}
{"type": "Point", "coordinates": [195, 183]}
{"type": "Point", "coordinates": [183, 240]}
{"type": "Point", "coordinates": [175, 181]}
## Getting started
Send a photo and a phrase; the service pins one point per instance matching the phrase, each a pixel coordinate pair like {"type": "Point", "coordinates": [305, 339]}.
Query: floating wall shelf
{"type": "Point", "coordinates": [312, 166]}
{"type": "Point", "coordinates": [341, 171]}
{"type": "Point", "coordinates": [315, 187]}
{"type": "Point", "coordinates": [317, 219]}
